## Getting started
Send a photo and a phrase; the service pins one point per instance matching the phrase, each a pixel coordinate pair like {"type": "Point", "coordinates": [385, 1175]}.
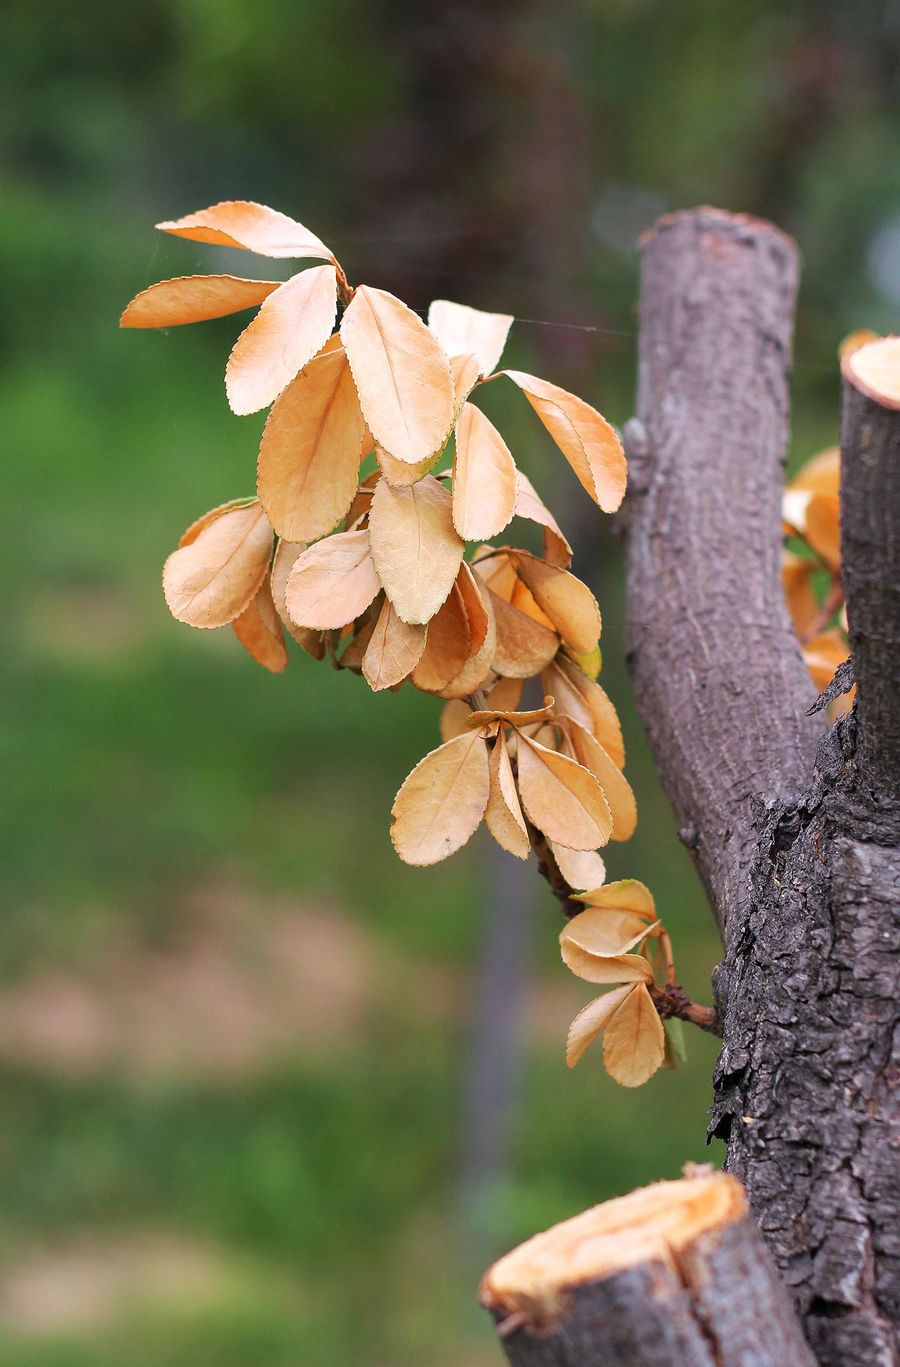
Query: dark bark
{"type": "Point", "coordinates": [718, 1302]}
{"type": "Point", "coordinates": [800, 856]}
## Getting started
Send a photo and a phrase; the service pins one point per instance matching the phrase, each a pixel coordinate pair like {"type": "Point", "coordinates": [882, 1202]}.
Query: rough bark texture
{"type": "Point", "coordinates": [721, 1306]}
{"type": "Point", "coordinates": [799, 853]}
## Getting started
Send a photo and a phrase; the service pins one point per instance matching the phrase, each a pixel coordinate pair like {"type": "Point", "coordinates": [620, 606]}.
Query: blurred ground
{"type": "Point", "coordinates": [234, 1030]}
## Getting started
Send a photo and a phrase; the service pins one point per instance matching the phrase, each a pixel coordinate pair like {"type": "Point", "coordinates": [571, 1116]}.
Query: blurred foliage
{"type": "Point", "coordinates": [507, 155]}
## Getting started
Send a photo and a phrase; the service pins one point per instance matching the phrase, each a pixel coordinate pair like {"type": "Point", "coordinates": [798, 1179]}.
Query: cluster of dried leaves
{"type": "Point", "coordinates": [376, 468]}
{"type": "Point", "coordinates": [811, 563]}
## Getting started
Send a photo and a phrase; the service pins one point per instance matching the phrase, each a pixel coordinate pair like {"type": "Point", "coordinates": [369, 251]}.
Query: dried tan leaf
{"type": "Point", "coordinates": [453, 719]}
{"type": "Point", "coordinates": [360, 632]}
{"type": "Point", "coordinates": [465, 372]}
{"type": "Point", "coordinates": [416, 549]}
{"type": "Point", "coordinates": [627, 894]}
{"type": "Point", "coordinates": [580, 868]}
{"type": "Point", "coordinates": [561, 798]}
{"type": "Point", "coordinates": [401, 475]}
{"type": "Point", "coordinates": [464, 331]}
{"type": "Point", "coordinates": [505, 694]}
{"type": "Point", "coordinates": [209, 581]}
{"type": "Point", "coordinates": [605, 932]}
{"type": "Point", "coordinates": [569, 604]}
{"type": "Point", "coordinates": [259, 631]}
{"type": "Point", "coordinates": [478, 667]}
{"type": "Point", "coordinates": [197, 527]}
{"type": "Point", "coordinates": [524, 647]}
{"type": "Point", "coordinates": [401, 374]}
{"type": "Point", "coordinates": [441, 803]}
{"type": "Point", "coordinates": [594, 968]}
{"type": "Point", "coordinates": [557, 550]}
{"type": "Point", "coordinates": [286, 553]}
{"type": "Point", "coordinates": [333, 582]}
{"type": "Point", "coordinates": [504, 811]}
{"type": "Point", "coordinates": [311, 448]}
{"type": "Point", "coordinates": [484, 477]}
{"type": "Point", "coordinates": [796, 576]}
{"type": "Point", "coordinates": [448, 645]}
{"type": "Point", "coordinates": [253, 227]}
{"type": "Point", "coordinates": [592, 1021]}
{"type": "Point", "coordinates": [484, 717]}
{"type": "Point", "coordinates": [358, 512]}
{"type": "Point", "coordinates": [585, 438]}
{"type": "Point", "coordinates": [193, 299]}
{"type": "Point", "coordinates": [393, 651]}
{"type": "Point", "coordinates": [634, 1042]}
{"type": "Point", "coordinates": [583, 747]}
{"type": "Point", "coordinates": [523, 599]}
{"type": "Point", "coordinates": [582, 699]}
{"type": "Point", "coordinates": [293, 324]}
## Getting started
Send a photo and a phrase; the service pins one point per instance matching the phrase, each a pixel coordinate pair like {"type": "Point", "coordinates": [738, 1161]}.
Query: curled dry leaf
{"type": "Point", "coordinates": [401, 375]}
{"type": "Point", "coordinates": [582, 746]}
{"type": "Point", "coordinates": [311, 448]}
{"type": "Point", "coordinates": [561, 798]}
{"type": "Point", "coordinates": [416, 549]}
{"type": "Point", "coordinates": [286, 553]}
{"type": "Point", "coordinates": [464, 331]}
{"type": "Point", "coordinates": [568, 603]}
{"type": "Point", "coordinates": [441, 803]}
{"type": "Point", "coordinates": [292, 325]}
{"type": "Point", "coordinates": [258, 629]}
{"type": "Point", "coordinates": [397, 472]}
{"type": "Point", "coordinates": [194, 530]}
{"type": "Point", "coordinates": [627, 894]}
{"type": "Point", "coordinates": [605, 968]}
{"type": "Point", "coordinates": [393, 651]}
{"type": "Point", "coordinates": [590, 1023]}
{"type": "Point", "coordinates": [484, 477]}
{"type": "Point", "coordinates": [585, 701]}
{"type": "Point", "coordinates": [634, 1041]}
{"type": "Point", "coordinates": [529, 505]}
{"type": "Point", "coordinates": [586, 439]}
{"type": "Point", "coordinates": [504, 811]}
{"type": "Point", "coordinates": [580, 868]}
{"type": "Point", "coordinates": [210, 580]}
{"type": "Point", "coordinates": [333, 582]}
{"type": "Point", "coordinates": [605, 932]}
{"type": "Point", "coordinates": [485, 716]}
{"type": "Point", "coordinates": [254, 227]}
{"type": "Point", "coordinates": [524, 647]}
{"type": "Point", "coordinates": [194, 299]}
{"type": "Point", "coordinates": [448, 646]}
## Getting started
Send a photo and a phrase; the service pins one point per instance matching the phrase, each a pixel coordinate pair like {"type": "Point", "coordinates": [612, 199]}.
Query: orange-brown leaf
{"type": "Point", "coordinates": [627, 894]}
{"type": "Point", "coordinates": [581, 698]}
{"type": "Point", "coordinates": [259, 631]}
{"type": "Point", "coordinates": [585, 438]}
{"type": "Point", "coordinates": [569, 604]}
{"type": "Point", "coordinates": [592, 1021]}
{"type": "Point", "coordinates": [333, 582]}
{"type": "Point", "coordinates": [311, 447]}
{"type": "Point", "coordinates": [441, 803]}
{"type": "Point", "coordinates": [286, 553]}
{"type": "Point", "coordinates": [393, 650]}
{"type": "Point", "coordinates": [582, 745]}
{"type": "Point", "coordinates": [448, 645]}
{"type": "Point", "coordinates": [523, 647]}
{"type": "Point", "coordinates": [416, 549]}
{"type": "Point", "coordinates": [580, 868]}
{"type": "Point", "coordinates": [293, 324]}
{"type": "Point", "coordinates": [634, 1041]}
{"type": "Point", "coordinates": [397, 472]}
{"type": "Point", "coordinates": [484, 477]}
{"type": "Point", "coordinates": [605, 932]}
{"type": "Point", "coordinates": [193, 299]}
{"type": "Point", "coordinates": [561, 798]}
{"type": "Point", "coordinates": [464, 331]}
{"type": "Point", "coordinates": [557, 550]}
{"type": "Point", "coordinates": [209, 581]}
{"type": "Point", "coordinates": [478, 667]}
{"type": "Point", "coordinates": [504, 811]}
{"type": "Point", "coordinates": [253, 227]}
{"type": "Point", "coordinates": [401, 375]}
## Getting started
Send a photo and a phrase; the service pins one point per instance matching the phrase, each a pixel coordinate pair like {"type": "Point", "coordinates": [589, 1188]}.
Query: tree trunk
{"type": "Point", "coordinates": [671, 1276]}
{"type": "Point", "coordinates": [799, 852]}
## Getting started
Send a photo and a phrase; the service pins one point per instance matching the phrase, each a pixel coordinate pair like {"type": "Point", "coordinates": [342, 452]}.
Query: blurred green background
{"type": "Point", "coordinates": [270, 1097]}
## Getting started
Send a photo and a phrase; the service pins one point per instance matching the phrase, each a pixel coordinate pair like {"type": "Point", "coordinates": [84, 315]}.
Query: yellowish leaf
{"type": "Point", "coordinates": [585, 438]}
{"type": "Point", "coordinates": [416, 549]}
{"type": "Point", "coordinates": [293, 324]}
{"type": "Point", "coordinates": [193, 299]}
{"type": "Point", "coordinates": [259, 631]}
{"type": "Point", "coordinates": [393, 651]}
{"type": "Point", "coordinates": [504, 811]}
{"type": "Point", "coordinates": [586, 702]}
{"type": "Point", "coordinates": [484, 477]}
{"type": "Point", "coordinates": [823, 528]}
{"type": "Point", "coordinates": [561, 798]}
{"type": "Point", "coordinates": [311, 448]}
{"type": "Point", "coordinates": [606, 968]}
{"type": "Point", "coordinates": [466, 331]}
{"type": "Point", "coordinates": [580, 868]}
{"type": "Point", "coordinates": [441, 804]}
{"type": "Point", "coordinates": [209, 581]}
{"type": "Point", "coordinates": [634, 1041]}
{"type": "Point", "coordinates": [605, 932]}
{"type": "Point", "coordinates": [568, 603]}
{"type": "Point", "coordinates": [627, 894]}
{"type": "Point", "coordinates": [254, 227]}
{"type": "Point", "coordinates": [401, 375]}
{"type": "Point", "coordinates": [483, 717]}
{"type": "Point", "coordinates": [333, 582]}
{"type": "Point", "coordinates": [592, 1021]}
{"type": "Point", "coordinates": [581, 744]}
{"type": "Point", "coordinates": [286, 553]}
{"type": "Point", "coordinates": [557, 550]}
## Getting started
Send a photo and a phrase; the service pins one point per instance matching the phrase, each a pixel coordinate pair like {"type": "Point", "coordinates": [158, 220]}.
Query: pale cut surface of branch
{"type": "Point", "coordinates": [673, 1275]}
